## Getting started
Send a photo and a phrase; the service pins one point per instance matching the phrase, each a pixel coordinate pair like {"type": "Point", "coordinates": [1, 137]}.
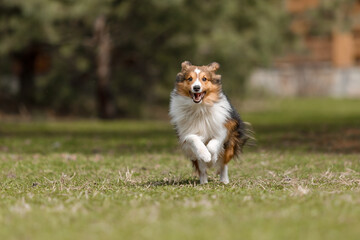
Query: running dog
{"type": "Point", "coordinates": [209, 129]}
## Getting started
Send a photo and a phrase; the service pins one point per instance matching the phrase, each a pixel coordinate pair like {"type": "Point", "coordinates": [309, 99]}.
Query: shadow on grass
{"type": "Point", "coordinates": [88, 141]}
{"type": "Point", "coordinates": [173, 182]}
{"type": "Point", "coordinates": [313, 138]}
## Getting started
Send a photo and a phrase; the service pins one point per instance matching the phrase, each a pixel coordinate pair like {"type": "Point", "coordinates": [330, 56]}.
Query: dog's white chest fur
{"type": "Point", "coordinates": [203, 120]}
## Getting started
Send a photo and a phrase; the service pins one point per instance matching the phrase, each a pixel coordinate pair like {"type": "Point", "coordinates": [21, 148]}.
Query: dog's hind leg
{"type": "Point", "coordinates": [224, 177]}
{"type": "Point", "coordinates": [227, 156]}
{"type": "Point", "coordinates": [196, 166]}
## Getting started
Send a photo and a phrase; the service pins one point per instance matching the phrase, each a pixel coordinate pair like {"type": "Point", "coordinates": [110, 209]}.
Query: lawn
{"type": "Point", "coordinates": [128, 179]}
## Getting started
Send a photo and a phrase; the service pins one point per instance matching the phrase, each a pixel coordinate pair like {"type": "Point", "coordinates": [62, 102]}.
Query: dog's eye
{"type": "Point", "coordinates": [204, 79]}
{"type": "Point", "coordinates": [190, 78]}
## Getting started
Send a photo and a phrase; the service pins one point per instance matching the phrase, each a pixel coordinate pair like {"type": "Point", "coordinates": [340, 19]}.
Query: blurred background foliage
{"type": "Point", "coordinates": [331, 16]}
{"type": "Point", "coordinates": [119, 58]}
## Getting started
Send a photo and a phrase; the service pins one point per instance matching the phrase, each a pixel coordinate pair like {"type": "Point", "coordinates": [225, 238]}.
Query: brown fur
{"type": "Point", "coordinates": [196, 166]}
{"type": "Point", "coordinates": [212, 84]}
{"type": "Point", "coordinates": [232, 141]}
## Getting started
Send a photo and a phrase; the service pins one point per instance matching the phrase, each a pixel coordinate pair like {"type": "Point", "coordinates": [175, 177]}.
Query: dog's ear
{"type": "Point", "coordinates": [213, 66]}
{"type": "Point", "coordinates": [217, 79]}
{"type": "Point", "coordinates": [185, 65]}
{"type": "Point", "coordinates": [179, 77]}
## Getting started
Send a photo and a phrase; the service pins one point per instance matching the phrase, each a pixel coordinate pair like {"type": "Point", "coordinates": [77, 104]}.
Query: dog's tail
{"type": "Point", "coordinates": [242, 135]}
{"type": "Point", "coordinates": [247, 136]}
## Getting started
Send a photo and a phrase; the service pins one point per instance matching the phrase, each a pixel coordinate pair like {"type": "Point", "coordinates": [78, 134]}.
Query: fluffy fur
{"type": "Point", "coordinates": [209, 129]}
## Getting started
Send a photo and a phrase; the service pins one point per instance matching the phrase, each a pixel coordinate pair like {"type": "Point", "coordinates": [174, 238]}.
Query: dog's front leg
{"type": "Point", "coordinates": [202, 172]}
{"type": "Point", "coordinates": [214, 146]}
{"type": "Point", "coordinates": [193, 143]}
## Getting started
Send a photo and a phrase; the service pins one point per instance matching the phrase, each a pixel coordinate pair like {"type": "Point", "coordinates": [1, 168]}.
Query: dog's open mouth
{"type": "Point", "coordinates": [197, 97]}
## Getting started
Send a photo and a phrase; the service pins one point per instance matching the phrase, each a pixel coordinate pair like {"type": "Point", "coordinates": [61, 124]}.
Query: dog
{"type": "Point", "coordinates": [209, 129]}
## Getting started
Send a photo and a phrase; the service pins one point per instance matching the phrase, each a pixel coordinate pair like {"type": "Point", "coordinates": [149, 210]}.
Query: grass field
{"type": "Point", "coordinates": [128, 179]}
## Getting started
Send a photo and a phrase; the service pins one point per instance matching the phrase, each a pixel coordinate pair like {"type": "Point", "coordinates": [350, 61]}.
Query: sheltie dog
{"type": "Point", "coordinates": [209, 129]}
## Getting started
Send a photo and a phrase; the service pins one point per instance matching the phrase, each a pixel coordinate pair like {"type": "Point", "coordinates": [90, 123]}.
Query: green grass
{"type": "Point", "coordinates": [128, 179]}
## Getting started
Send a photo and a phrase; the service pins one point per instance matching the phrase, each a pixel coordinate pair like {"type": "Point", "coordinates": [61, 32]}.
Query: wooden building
{"type": "Point", "coordinates": [339, 47]}
{"type": "Point", "coordinates": [328, 61]}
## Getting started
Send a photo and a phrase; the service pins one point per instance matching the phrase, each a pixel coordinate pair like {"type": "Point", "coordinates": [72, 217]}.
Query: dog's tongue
{"type": "Point", "coordinates": [197, 96]}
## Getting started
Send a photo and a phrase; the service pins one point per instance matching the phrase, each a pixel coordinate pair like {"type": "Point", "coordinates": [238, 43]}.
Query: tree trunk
{"type": "Point", "coordinates": [105, 105]}
{"type": "Point", "coordinates": [26, 74]}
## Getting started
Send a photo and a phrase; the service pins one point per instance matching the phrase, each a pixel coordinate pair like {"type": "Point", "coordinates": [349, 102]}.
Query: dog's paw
{"type": "Point", "coordinates": [225, 181]}
{"type": "Point", "coordinates": [203, 179]}
{"type": "Point", "coordinates": [213, 147]}
{"type": "Point", "coordinates": [214, 158]}
{"type": "Point", "coordinates": [204, 155]}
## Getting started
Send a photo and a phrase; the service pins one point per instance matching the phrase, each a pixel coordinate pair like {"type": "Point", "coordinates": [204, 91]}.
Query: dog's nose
{"type": "Point", "coordinates": [196, 88]}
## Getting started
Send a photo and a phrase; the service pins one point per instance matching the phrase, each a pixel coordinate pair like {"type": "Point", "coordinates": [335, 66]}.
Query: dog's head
{"type": "Point", "coordinates": [200, 83]}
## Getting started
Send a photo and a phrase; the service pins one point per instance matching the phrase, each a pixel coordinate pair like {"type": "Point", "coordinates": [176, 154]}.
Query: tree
{"type": "Point", "coordinates": [332, 16]}
{"type": "Point", "coordinates": [127, 52]}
